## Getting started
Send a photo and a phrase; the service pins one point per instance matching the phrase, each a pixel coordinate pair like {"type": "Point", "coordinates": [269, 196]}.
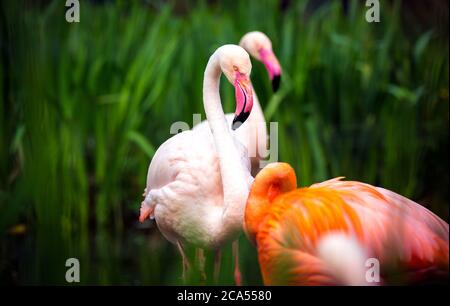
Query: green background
{"type": "Point", "coordinates": [84, 106]}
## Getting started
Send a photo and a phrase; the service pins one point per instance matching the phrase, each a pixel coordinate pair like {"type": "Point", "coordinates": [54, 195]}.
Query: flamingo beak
{"type": "Point", "coordinates": [244, 99]}
{"type": "Point", "coordinates": [273, 67]}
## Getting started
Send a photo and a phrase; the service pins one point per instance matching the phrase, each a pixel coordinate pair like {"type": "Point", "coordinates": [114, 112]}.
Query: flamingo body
{"type": "Point", "coordinates": [290, 225]}
{"type": "Point", "coordinates": [197, 185]}
{"type": "Point", "coordinates": [185, 188]}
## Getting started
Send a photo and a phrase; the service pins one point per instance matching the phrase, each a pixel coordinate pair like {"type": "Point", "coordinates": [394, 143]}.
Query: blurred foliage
{"type": "Point", "coordinates": [85, 105]}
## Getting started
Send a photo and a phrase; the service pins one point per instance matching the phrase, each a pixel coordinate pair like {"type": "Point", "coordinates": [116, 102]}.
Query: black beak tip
{"type": "Point", "coordinates": [276, 82]}
{"type": "Point", "coordinates": [239, 120]}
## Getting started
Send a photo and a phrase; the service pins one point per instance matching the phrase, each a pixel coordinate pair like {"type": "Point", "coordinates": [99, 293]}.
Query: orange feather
{"type": "Point", "coordinates": [286, 224]}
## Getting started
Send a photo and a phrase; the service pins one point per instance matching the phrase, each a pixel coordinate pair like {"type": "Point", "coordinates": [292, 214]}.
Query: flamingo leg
{"type": "Point", "coordinates": [237, 271]}
{"type": "Point", "coordinates": [185, 261]}
{"type": "Point", "coordinates": [200, 254]}
{"type": "Point", "coordinates": [217, 259]}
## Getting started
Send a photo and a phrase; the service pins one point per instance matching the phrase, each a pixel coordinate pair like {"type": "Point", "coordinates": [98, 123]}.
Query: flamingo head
{"type": "Point", "coordinates": [236, 65]}
{"type": "Point", "coordinates": [271, 182]}
{"type": "Point", "coordinates": [260, 47]}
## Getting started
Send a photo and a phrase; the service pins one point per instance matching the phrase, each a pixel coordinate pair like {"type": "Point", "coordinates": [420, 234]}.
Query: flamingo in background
{"type": "Point", "coordinates": [324, 234]}
{"type": "Point", "coordinates": [253, 133]}
{"type": "Point", "coordinates": [197, 185]}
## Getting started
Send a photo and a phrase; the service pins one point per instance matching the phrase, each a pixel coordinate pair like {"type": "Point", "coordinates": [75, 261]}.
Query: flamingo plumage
{"type": "Point", "coordinates": [197, 185]}
{"type": "Point", "coordinates": [325, 233]}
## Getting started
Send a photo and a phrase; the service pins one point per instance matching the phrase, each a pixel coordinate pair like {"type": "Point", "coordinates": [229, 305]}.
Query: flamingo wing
{"type": "Point", "coordinates": [398, 232]}
{"type": "Point", "coordinates": [418, 237]}
{"type": "Point", "coordinates": [289, 236]}
{"type": "Point", "coordinates": [184, 190]}
{"type": "Point", "coordinates": [183, 187]}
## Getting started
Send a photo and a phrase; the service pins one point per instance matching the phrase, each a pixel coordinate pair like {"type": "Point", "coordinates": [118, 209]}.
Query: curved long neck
{"type": "Point", "coordinates": [257, 134]}
{"type": "Point", "coordinates": [234, 176]}
{"type": "Point", "coordinates": [257, 114]}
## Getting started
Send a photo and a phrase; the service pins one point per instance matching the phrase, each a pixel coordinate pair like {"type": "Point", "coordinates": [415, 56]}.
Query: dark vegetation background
{"type": "Point", "coordinates": [84, 106]}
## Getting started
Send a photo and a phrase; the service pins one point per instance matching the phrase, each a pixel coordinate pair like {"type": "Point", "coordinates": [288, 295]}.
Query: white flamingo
{"type": "Point", "coordinates": [197, 185]}
{"type": "Point", "coordinates": [253, 133]}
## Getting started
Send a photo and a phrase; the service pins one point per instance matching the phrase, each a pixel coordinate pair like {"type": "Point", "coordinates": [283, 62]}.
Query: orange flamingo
{"type": "Point", "coordinates": [324, 234]}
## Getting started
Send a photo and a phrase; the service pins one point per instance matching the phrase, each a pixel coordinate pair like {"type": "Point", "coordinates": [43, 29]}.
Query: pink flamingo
{"type": "Point", "coordinates": [332, 232]}
{"type": "Point", "coordinates": [197, 185]}
{"type": "Point", "coordinates": [253, 133]}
